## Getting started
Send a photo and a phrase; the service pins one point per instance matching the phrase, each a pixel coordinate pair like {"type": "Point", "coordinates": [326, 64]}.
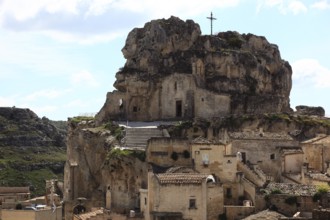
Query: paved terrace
{"type": "Point", "coordinates": [140, 124]}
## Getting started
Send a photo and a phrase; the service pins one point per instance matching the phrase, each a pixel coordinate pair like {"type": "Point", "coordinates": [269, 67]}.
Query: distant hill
{"type": "Point", "coordinates": [32, 149]}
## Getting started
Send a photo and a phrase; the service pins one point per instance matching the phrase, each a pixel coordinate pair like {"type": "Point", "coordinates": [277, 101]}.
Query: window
{"type": "Point", "coordinates": [228, 193]}
{"type": "Point", "coordinates": [272, 156]}
{"type": "Point", "coordinates": [145, 201]}
{"type": "Point", "coordinates": [135, 109]}
{"type": "Point", "coordinates": [192, 203]}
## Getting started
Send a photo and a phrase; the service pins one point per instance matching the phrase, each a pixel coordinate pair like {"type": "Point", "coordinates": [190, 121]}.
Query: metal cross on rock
{"type": "Point", "coordinates": [211, 19]}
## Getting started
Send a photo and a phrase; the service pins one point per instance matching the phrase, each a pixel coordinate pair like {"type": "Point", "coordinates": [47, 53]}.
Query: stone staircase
{"type": "Point", "coordinates": [94, 215]}
{"type": "Point", "coordinates": [256, 176]}
{"type": "Point", "coordinates": [138, 137]}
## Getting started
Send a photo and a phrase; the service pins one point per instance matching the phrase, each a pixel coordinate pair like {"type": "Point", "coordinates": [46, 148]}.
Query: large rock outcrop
{"type": "Point", "coordinates": [94, 166]}
{"type": "Point", "coordinates": [246, 70]}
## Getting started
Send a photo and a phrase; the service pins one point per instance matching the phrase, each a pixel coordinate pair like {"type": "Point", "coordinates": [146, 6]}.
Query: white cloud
{"type": "Point", "coordinates": [321, 5]}
{"type": "Point", "coordinates": [44, 110]}
{"type": "Point", "coordinates": [46, 93]}
{"type": "Point", "coordinates": [167, 8]}
{"type": "Point", "coordinates": [22, 10]}
{"type": "Point", "coordinates": [82, 38]}
{"type": "Point", "coordinates": [309, 72]}
{"type": "Point", "coordinates": [284, 6]}
{"type": "Point", "coordinates": [95, 20]}
{"type": "Point", "coordinates": [84, 78]}
{"type": "Point", "coordinates": [296, 7]}
{"type": "Point", "coordinates": [6, 102]}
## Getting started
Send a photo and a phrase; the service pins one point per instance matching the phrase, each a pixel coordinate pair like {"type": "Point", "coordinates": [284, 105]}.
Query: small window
{"type": "Point", "coordinates": [228, 193]}
{"type": "Point", "coordinates": [135, 109]}
{"type": "Point", "coordinates": [202, 99]}
{"type": "Point", "coordinates": [272, 156]}
{"type": "Point", "coordinates": [145, 201]}
{"type": "Point", "coordinates": [192, 203]}
{"type": "Point", "coordinates": [175, 86]}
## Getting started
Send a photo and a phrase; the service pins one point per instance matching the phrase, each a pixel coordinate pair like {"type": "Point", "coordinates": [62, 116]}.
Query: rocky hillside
{"type": "Point", "coordinates": [31, 149]}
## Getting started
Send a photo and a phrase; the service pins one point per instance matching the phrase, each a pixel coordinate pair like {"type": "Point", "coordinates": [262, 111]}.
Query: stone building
{"type": "Point", "coordinates": [178, 196]}
{"type": "Point", "coordinates": [268, 151]}
{"type": "Point", "coordinates": [13, 195]}
{"type": "Point", "coordinates": [167, 152]}
{"type": "Point", "coordinates": [317, 153]}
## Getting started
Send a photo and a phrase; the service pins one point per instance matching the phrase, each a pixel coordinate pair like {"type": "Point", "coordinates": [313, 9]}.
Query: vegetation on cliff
{"type": "Point", "coordinates": [32, 150]}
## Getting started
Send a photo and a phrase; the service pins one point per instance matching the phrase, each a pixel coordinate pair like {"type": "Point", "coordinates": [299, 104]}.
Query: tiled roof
{"type": "Point", "coordinates": [89, 215]}
{"type": "Point", "coordinates": [292, 189]}
{"type": "Point", "coordinates": [266, 214]}
{"type": "Point", "coordinates": [181, 178]}
{"type": "Point", "coordinates": [201, 140]}
{"type": "Point", "coordinates": [319, 176]}
{"type": "Point", "coordinates": [292, 150]}
{"type": "Point", "coordinates": [319, 139]}
{"type": "Point", "coordinates": [14, 190]}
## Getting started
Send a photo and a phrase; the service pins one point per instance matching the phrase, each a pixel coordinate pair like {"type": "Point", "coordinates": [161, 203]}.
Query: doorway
{"type": "Point", "coordinates": [178, 108]}
{"type": "Point", "coordinates": [243, 157]}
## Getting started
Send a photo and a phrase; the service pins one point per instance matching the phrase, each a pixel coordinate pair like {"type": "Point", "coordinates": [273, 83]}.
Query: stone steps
{"type": "Point", "coordinates": [138, 137]}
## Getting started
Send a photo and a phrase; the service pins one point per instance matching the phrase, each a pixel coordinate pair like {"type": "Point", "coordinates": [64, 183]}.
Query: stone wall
{"type": "Point", "coordinates": [265, 153]}
{"type": "Point", "coordinates": [238, 212]}
{"type": "Point", "coordinates": [163, 198]}
{"type": "Point", "coordinates": [290, 204]}
{"type": "Point", "coordinates": [317, 154]}
{"type": "Point", "coordinates": [212, 158]}
{"type": "Point", "coordinates": [160, 152]}
{"type": "Point", "coordinates": [32, 215]}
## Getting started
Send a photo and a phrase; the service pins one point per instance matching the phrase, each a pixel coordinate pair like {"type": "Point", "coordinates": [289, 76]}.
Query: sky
{"type": "Point", "coordinates": [59, 57]}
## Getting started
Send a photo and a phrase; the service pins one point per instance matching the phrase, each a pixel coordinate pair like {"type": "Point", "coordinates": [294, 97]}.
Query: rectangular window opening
{"type": "Point", "coordinates": [192, 203]}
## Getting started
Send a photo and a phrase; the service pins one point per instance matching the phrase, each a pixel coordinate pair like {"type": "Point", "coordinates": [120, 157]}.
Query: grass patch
{"type": "Point", "coordinates": [118, 153]}
{"type": "Point", "coordinates": [34, 179]}
{"type": "Point", "coordinates": [14, 160]}
{"type": "Point", "coordinates": [78, 119]}
{"type": "Point", "coordinates": [116, 130]}
{"type": "Point", "coordinates": [177, 129]}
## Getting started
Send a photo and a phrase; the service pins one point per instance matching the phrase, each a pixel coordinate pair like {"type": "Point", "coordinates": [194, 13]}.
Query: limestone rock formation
{"type": "Point", "coordinates": [94, 165]}
{"type": "Point", "coordinates": [245, 71]}
{"type": "Point", "coordinates": [309, 110]}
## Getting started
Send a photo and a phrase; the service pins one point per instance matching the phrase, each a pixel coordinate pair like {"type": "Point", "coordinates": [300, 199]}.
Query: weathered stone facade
{"type": "Point", "coordinates": [198, 200]}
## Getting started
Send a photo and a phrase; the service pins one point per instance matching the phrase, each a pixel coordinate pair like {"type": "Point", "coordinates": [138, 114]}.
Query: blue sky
{"type": "Point", "coordinates": [59, 58]}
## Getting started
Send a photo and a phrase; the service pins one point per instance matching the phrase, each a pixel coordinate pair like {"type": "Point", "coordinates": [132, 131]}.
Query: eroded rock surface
{"type": "Point", "coordinates": [245, 67]}
{"type": "Point", "coordinates": [310, 110]}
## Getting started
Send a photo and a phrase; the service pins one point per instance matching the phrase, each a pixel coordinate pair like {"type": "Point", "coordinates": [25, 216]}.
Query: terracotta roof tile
{"type": "Point", "coordinates": [89, 215]}
{"type": "Point", "coordinates": [292, 189]}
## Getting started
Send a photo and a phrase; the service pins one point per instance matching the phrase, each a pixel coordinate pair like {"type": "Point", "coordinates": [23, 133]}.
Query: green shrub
{"type": "Point", "coordinates": [117, 153]}
{"type": "Point", "coordinates": [321, 190]}
{"type": "Point", "coordinates": [276, 191]}
{"type": "Point", "coordinates": [116, 130]}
